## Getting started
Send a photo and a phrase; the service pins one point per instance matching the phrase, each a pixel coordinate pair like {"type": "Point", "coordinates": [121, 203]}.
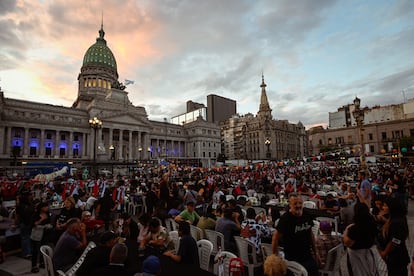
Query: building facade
{"type": "Point", "coordinates": [261, 137]}
{"type": "Point", "coordinates": [382, 130]}
{"type": "Point", "coordinates": [36, 132]}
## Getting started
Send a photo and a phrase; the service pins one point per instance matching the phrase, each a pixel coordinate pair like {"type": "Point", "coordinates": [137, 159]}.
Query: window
{"type": "Point", "coordinates": [209, 154]}
{"type": "Point", "coordinates": [214, 154]}
{"type": "Point", "coordinates": [17, 134]}
{"type": "Point", "coordinates": [370, 136]}
{"type": "Point", "coordinates": [384, 135]}
{"type": "Point", "coordinates": [62, 152]}
{"type": "Point", "coordinates": [320, 141]}
{"type": "Point", "coordinates": [48, 151]}
{"type": "Point", "coordinates": [76, 137]}
{"type": "Point", "coordinates": [204, 154]}
{"type": "Point", "coordinates": [33, 135]}
{"type": "Point", "coordinates": [32, 151]}
{"type": "Point", "coordinates": [412, 132]}
{"type": "Point", "coordinates": [62, 137]}
{"type": "Point", "coordinates": [371, 148]}
{"type": "Point", "coordinates": [49, 136]}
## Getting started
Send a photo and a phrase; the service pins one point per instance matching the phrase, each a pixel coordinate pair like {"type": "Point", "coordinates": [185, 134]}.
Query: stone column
{"type": "Point", "coordinates": [26, 143]}
{"type": "Point", "coordinates": [2, 140]}
{"type": "Point", "coordinates": [120, 144]}
{"type": "Point", "coordinates": [70, 145]}
{"type": "Point", "coordinates": [110, 142]}
{"type": "Point", "coordinates": [42, 144]}
{"type": "Point", "coordinates": [83, 146]}
{"type": "Point", "coordinates": [130, 153]}
{"type": "Point", "coordinates": [57, 144]}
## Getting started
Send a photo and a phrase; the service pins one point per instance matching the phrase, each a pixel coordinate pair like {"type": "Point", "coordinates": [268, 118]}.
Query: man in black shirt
{"type": "Point", "coordinates": [188, 251]}
{"type": "Point", "coordinates": [294, 233]}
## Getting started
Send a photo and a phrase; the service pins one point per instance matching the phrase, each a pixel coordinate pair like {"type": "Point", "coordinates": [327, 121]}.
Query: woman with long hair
{"type": "Point", "coordinates": [41, 220]}
{"type": "Point", "coordinates": [359, 238]}
{"type": "Point", "coordinates": [394, 233]}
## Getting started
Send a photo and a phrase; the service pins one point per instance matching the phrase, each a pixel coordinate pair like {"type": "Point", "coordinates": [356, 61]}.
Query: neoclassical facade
{"type": "Point", "coordinates": [38, 132]}
{"type": "Point", "coordinates": [261, 137]}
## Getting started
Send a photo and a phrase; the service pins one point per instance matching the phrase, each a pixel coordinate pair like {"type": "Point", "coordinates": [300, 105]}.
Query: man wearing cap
{"type": "Point", "coordinates": [189, 214]}
{"type": "Point", "coordinates": [99, 256]}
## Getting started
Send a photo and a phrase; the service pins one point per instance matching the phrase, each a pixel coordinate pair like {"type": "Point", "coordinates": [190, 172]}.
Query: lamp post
{"type": "Point", "coordinates": [112, 149]}
{"type": "Point", "coordinates": [149, 153]}
{"type": "Point", "coordinates": [267, 143]}
{"type": "Point", "coordinates": [95, 124]}
{"type": "Point", "coordinates": [359, 118]}
{"type": "Point", "coordinates": [140, 152]}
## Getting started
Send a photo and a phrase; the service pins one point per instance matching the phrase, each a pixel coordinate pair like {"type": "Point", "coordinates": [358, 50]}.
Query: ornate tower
{"type": "Point", "coordinates": [264, 109]}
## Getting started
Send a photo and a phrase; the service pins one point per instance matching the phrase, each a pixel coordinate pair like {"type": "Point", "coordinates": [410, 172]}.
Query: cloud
{"type": "Point", "coordinates": [7, 6]}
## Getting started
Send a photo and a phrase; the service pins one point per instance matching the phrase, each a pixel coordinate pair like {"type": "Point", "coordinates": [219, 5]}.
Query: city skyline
{"type": "Point", "coordinates": [315, 55]}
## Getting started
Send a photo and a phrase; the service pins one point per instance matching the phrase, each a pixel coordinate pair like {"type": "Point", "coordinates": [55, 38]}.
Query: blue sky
{"type": "Point", "coordinates": [315, 55]}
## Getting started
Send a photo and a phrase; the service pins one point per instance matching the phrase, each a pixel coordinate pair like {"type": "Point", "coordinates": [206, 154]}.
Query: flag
{"type": "Point", "coordinates": [128, 82]}
{"type": "Point", "coordinates": [95, 191]}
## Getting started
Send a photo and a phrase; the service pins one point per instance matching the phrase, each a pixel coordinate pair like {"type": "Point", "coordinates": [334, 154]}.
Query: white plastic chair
{"type": "Point", "coordinates": [170, 224]}
{"type": "Point", "coordinates": [247, 252]}
{"type": "Point", "coordinates": [229, 197]}
{"type": "Point", "coordinates": [175, 238]}
{"type": "Point", "coordinates": [296, 268]}
{"type": "Point", "coordinates": [315, 228]}
{"type": "Point", "coordinates": [216, 238]}
{"type": "Point", "coordinates": [75, 267]}
{"type": "Point", "coordinates": [266, 249]}
{"type": "Point", "coordinates": [196, 232]}
{"type": "Point", "coordinates": [226, 256]}
{"type": "Point", "coordinates": [205, 247]}
{"type": "Point", "coordinates": [309, 204]}
{"type": "Point", "coordinates": [333, 260]}
{"type": "Point", "coordinates": [47, 253]}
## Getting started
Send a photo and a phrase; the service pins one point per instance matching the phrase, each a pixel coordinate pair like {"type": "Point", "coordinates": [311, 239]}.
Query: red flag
{"type": "Point", "coordinates": [114, 195]}
{"type": "Point", "coordinates": [72, 187]}
{"type": "Point", "coordinates": [95, 190]}
{"type": "Point", "coordinates": [64, 192]}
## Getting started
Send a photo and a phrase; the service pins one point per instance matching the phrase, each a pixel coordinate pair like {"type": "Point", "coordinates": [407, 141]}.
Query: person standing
{"type": "Point", "coordinates": [24, 213]}
{"type": "Point", "coordinates": [294, 233]}
{"type": "Point", "coordinates": [41, 223]}
{"type": "Point", "coordinates": [394, 234]}
{"type": "Point", "coordinates": [364, 189]}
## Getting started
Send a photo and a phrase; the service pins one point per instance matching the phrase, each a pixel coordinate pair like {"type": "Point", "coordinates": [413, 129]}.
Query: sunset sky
{"type": "Point", "coordinates": [316, 55]}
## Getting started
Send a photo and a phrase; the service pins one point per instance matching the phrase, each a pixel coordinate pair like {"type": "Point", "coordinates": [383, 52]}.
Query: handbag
{"type": "Point", "coordinates": [37, 233]}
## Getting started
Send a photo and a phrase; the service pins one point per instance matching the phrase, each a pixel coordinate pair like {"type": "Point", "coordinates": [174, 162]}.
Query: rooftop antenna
{"type": "Point", "coordinates": [404, 97]}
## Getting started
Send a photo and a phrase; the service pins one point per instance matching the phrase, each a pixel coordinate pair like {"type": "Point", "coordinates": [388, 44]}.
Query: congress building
{"type": "Point", "coordinates": [101, 127]}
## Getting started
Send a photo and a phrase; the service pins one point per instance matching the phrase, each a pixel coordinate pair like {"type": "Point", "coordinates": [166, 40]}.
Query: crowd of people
{"type": "Point", "coordinates": [369, 205]}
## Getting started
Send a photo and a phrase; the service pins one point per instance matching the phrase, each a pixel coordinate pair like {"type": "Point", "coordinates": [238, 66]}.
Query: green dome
{"type": "Point", "coordinates": [100, 54]}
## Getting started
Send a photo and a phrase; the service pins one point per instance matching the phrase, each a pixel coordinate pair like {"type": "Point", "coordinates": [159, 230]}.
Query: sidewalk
{"type": "Point", "coordinates": [17, 266]}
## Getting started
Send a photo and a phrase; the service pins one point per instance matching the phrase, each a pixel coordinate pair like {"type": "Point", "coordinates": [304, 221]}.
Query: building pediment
{"type": "Point", "coordinates": [127, 119]}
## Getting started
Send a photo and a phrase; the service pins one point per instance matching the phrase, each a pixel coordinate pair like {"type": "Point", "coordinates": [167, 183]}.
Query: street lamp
{"type": "Point", "coordinates": [149, 152]}
{"type": "Point", "coordinates": [359, 118]}
{"type": "Point", "coordinates": [140, 152]}
{"type": "Point", "coordinates": [112, 149]}
{"type": "Point", "coordinates": [96, 124]}
{"type": "Point", "coordinates": [267, 143]}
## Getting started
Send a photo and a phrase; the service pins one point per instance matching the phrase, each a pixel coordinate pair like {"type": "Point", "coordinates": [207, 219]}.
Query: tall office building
{"type": "Point", "coordinates": [219, 108]}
